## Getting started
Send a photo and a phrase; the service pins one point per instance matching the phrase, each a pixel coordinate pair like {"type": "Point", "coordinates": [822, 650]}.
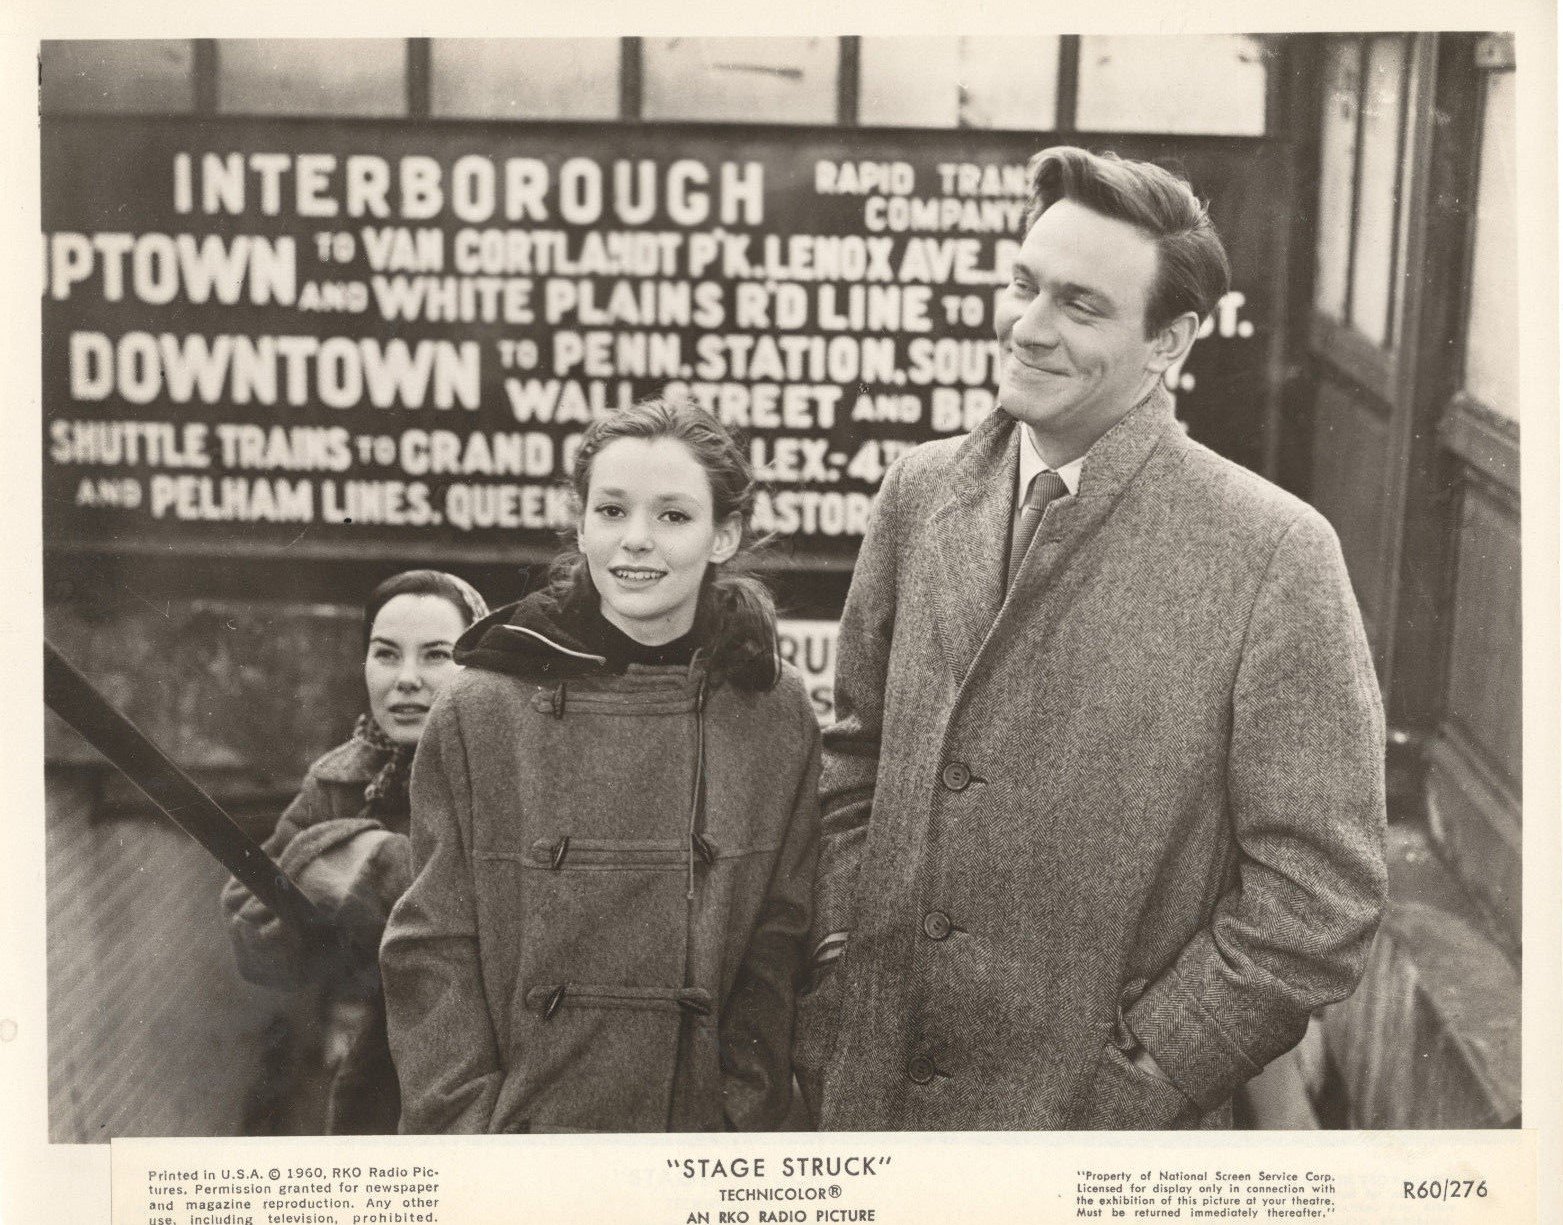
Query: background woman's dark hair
{"type": "Point", "coordinates": [461, 594]}
{"type": "Point", "coordinates": [736, 615]}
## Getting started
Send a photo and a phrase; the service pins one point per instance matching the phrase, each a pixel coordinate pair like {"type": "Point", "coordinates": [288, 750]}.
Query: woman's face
{"type": "Point", "coordinates": [648, 532]}
{"type": "Point", "coordinates": [409, 661]}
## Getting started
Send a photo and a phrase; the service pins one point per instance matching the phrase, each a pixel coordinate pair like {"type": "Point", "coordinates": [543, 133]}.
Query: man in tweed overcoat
{"type": "Point", "coordinates": [1103, 823]}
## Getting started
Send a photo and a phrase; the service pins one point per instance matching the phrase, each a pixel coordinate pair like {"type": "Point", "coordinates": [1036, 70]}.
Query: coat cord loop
{"type": "Point", "coordinates": [697, 801]}
{"type": "Point", "coordinates": [696, 808]}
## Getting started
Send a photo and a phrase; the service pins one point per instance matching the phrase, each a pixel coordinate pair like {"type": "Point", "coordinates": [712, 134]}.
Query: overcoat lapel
{"type": "Point", "coordinates": [971, 530]}
{"type": "Point", "coordinates": [1110, 467]}
{"type": "Point", "coordinates": [969, 535]}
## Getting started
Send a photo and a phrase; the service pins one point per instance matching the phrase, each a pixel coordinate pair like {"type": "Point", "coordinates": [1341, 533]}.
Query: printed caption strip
{"type": "Point", "coordinates": [1453, 1178]}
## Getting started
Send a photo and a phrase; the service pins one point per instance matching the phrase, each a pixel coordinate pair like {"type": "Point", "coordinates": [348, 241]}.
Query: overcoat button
{"type": "Point", "coordinates": [920, 1069]}
{"type": "Point", "coordinates": [937, 925]}
{"type": "Point", "coordinates": [956, 775]}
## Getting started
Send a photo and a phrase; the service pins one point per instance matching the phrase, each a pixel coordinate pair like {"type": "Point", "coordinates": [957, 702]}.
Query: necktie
{"type": "Point", "coordinates": [1045, 486]}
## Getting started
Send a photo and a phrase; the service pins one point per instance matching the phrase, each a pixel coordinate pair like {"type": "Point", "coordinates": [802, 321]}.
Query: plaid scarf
{"type": "Point", "coordinates": [387, 790]}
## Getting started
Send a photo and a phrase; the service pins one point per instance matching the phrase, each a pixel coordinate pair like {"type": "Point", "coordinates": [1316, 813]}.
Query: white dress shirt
{"type": "Point", "coordinates": [1031, 463]}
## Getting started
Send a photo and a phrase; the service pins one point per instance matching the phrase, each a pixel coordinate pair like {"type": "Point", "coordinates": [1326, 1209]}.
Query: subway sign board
{"type": "Point", "coordinates": [331, 338]}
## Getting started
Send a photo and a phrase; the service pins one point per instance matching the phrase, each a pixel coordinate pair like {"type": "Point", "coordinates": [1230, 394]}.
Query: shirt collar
{"type": "Point", "coordinates": [1031, 463]}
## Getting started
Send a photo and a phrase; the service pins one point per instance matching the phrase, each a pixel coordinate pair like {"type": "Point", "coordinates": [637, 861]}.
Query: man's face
{"type": "Point", "coordinates": [1074, 356]}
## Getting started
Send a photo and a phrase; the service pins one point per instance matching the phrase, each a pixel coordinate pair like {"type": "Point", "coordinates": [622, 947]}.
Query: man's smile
{"type": "Point", "coordinates": [1035, 366]}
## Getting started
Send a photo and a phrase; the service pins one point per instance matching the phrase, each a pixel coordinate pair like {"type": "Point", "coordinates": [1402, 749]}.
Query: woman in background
{"type": "Point", "coordinates": [343, 840]}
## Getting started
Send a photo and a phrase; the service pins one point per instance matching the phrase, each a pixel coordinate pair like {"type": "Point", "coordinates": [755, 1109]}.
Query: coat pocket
{"type": "Point", "coordinates": [592, 1057]}
{"type": "Point", "coordinates": [1124, 1098]}
{"type": "Point", "coordinates": [610, 912]}
{"type": "Point", "coordinates": [817, 1032]}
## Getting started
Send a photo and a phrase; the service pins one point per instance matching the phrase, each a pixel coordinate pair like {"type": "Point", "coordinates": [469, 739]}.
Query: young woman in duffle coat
{"type": "Point", "coordinates": [614, 824]}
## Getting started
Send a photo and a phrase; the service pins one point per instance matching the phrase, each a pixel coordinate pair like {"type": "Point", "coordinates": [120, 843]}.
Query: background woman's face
{"type": "Point", "coordinates": [409, 661]}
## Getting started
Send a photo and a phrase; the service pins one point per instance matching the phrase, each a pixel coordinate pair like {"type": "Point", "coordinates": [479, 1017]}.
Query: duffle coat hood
{"type": "Point", "coordinates": [611, 894]}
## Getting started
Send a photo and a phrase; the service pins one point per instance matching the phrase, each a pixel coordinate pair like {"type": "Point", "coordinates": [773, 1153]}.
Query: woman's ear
{"type": "Point", "coordinates": [729, 535]}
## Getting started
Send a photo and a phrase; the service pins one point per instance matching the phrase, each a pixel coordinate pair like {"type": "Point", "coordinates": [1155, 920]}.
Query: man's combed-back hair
{"type": "Point", "coordinates": [736, 613]}
{"type": "Point", "coordinates": [1192, 271]}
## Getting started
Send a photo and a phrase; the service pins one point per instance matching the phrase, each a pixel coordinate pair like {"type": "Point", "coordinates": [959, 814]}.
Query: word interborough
{"type": "Point", "coordinates": [474, 188]}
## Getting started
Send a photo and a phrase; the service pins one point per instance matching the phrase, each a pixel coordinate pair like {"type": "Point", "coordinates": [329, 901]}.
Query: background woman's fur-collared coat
{"type": "Point", "coordinates": [352, 858]}
{"type": "Point", "coordinates": [1146, 787]}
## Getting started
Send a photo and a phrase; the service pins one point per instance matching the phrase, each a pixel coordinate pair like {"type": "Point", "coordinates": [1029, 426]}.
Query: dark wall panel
{"type": "Point", "coordinates": [1485, 673]}
{"type": "Point", "coordinates": [1351, 444]}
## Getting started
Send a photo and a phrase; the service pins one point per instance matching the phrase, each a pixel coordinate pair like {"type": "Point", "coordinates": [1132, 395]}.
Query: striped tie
{"type": "Point", "coordinates": [1045, 486]}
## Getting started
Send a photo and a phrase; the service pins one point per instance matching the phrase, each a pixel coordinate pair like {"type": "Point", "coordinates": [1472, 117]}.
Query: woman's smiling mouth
{"type": "Point", "coordinates": [635, 576]}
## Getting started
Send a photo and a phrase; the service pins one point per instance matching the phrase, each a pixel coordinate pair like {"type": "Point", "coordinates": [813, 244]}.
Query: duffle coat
{"type": "Point", "coordinates": [1138, 795]}
{"type": "Point", "coordinates": [611, 893]}
{"type": "Point", "coordinates": [353, 859]}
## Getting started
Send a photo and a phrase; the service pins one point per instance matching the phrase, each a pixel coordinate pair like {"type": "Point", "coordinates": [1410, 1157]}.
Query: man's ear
{"type": "Point", "coordinates": [1172, 343]}
{"type": "Point", "coordinates": [729, 534]}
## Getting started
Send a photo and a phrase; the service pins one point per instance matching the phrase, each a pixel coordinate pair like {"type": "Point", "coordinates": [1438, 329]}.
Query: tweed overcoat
{"type": "Point", "coordinates": [1140, 792]}
{"type": "Point", "coordinates": [611, 893]}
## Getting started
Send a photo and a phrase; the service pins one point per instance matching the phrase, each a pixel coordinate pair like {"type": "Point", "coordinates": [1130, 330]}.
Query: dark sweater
{"type": "Point", "coordinates": [620, 650]}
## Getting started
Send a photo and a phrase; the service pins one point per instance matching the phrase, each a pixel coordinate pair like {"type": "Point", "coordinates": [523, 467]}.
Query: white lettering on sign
{"type": "Point", "coordinates": [634, 303]}
{"type": "Point", "coordinates": [158, 268]}
{"type": "Point", "coordinates": [496, 252]}
{"type": "Point", "coordinates": [232, 499]}
{"type": "Point", "coordinates": [156, 444]}
{"type": "Point", "coordinates": [864, 178]}
{"type": "Point", "coordinates": [812, 512]}
{"type": "Point", "coordinates": [454, 299]}
{"type": "Point", "coordinates": [338, 371]}
{"type": "Point", "coordinates": [445, 452]}
{"type": "Point", "coordinates": [815, 359]}
{"type": "Point", "coordinates": [400, 249]}
{"type": "Point", "coordinates": [977, 179]}
{"type": "Point", "coordinates": [391, 503]}
{"type": "Point", "coordinates": [603, 354]}
{"type": "Point", "coordinates": [535, 507]}
{"type": "Point", "coordinates": [810, 647]}
{"type": "Point", "coordinates": [899, 214]}
{"type": "Point", "coordinates": [765, 406]}
{"type": "Point", "coordinates": [474, 189]}
{"type": "Point", "coordinates": [556, 401]}
{"type": "Point", "coordinates": [585, 280]}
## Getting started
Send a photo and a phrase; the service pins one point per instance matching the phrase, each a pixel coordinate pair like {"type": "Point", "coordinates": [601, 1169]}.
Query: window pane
{"type": "Point", "coordinates": [959, 82]}
{"type": "Point", "coordinates": [312, 76]}
{"type": "Point", "coordinates": [1195, 83]}
{"type": "Point", "coordinates": [154, 74]}
{"type": "Point", "coordinates": [1337, 169]}
{"type": "Point", "coordinates": [525, 78]}
{"type": "Point", "coordinates": [747, 80]}
{"type": "Point", "coordinates": [1492, 344]}
{"type": "Point", "coordinates": [1377, 195]}
{"type": "Point", "coordinates": [910, 82]}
